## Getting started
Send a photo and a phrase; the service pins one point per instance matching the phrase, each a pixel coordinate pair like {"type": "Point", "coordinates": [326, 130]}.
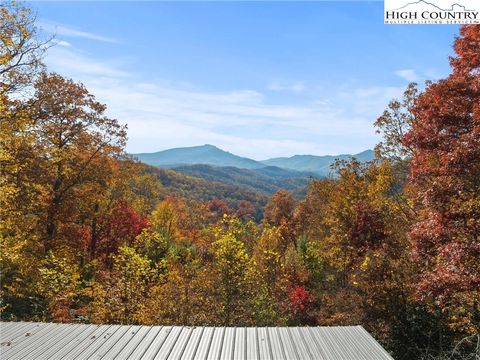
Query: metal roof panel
{"type": "Point", "coordinates": [38, 341]}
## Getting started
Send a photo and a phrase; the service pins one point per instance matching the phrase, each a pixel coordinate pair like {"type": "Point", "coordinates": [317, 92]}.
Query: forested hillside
{"type": "Point", "coordinates": [266, 179]}
{"type": "Point", "coordinates": [195, 190]}
{"type": "Point", "coordinates": [89, 235]}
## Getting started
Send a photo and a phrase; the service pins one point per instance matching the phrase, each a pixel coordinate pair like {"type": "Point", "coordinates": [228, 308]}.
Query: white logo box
{"type": "Point", "coordinates": [445, 12]}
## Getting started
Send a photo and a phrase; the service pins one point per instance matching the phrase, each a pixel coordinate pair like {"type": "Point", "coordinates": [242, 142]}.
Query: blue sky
{"type": "Point", "coordinates": [259, 79]}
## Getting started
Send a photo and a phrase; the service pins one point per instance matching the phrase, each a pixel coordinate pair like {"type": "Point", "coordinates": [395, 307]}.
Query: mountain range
{"type": "Point", "coordinates": [212, 164]}
{"type": "Point", "coordinates": [320, 165]}
{"type": "Point", "coordinates": [212, 155]}
{"type": "Point", "coordinates": [205, 154]}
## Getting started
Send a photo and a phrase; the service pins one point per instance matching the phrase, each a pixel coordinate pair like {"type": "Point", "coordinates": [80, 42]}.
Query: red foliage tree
{"type": "Point", "coordinates": [279, 212]}
{"type": "Point", "coordinates": [245, 210]}
{"type": "Point", "coordinates": [121, 226]}
{"type": "Point", "coordinates": [302, 305]}
{"type": "Point", "coordinates": [445, 171]}
{"type": "Point", "coordinates": [368, 230]}
{"type": "Point", "coordinates": [217, 208]}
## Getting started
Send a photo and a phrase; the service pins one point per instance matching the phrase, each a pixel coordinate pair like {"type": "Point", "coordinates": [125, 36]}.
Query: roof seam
{"type": "Point", "coordinates": [69, 341]}
{"type": "Point", "coordinates": [186, 342]}
{"type": "Point", "coordinates": [245, 348]}
{"type": "Point", "coordinates": [210, 344]}
{"type": "Point", "coordinates": [95, 347]}
{"type": "Point", "coordinates": [43, 332]}
{"type": "Point", "coordinates": [88, 334]}
{"type": "Point", "coordinates": [221, 343]}
{"type": "Point", "coordinates": [106, 352]}
{"type": "Point", "coordinates": [295, 350]}
{"type": "Point", "coordinates": [198, 343]}
{"type": "Point", "coordinates": [151, 343]}
{"type": "Point", "coordinates": [163, 341]}
{"type": "Point", "coordinates": [138, 343]}
{"type": "Point", "coordinates": [234, 341]}
{"type": "Point", "coordinates": [280, 341]}
{"type": "Point", "coordinates": [30, 346]}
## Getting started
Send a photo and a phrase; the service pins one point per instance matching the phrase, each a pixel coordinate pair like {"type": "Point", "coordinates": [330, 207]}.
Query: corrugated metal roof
{"type": "Point", "coordinates": [29, 340]}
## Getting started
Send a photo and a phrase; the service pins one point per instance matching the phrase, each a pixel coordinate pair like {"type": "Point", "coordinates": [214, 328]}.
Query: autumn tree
{"type": "Point", "coordinates": [120, 297]}
{"type": "Point", "coordinates": [309, 212]}
{"type": "Point", "coordinates": [59, 155]}
{"type": "Point", "coordinates": [77, 142]}
{"type": "Point", "coordinates": [60, 286]}
{"type": "Point", "coordinates": [20, 61]}
{"type": "Point", "coordinates": [354, 246]}
{"type": "Point", "coordinates": [217, 209]}
{"type": "Point", "coordinates": [264, 273]}
{"type": "Point", "coordinates": [394, 123]}
{"type": "Point", "coordinates": [279, 212]}
{"type": "Point", "coordinates": [302, 306]}
{"type": "Point", "coordinates": [164, 229]}
{"type": "Point", "coordinates": [245, 210]}
{"type": "Point", "coordinates": [119, 227]}
{"type": "Point", "coordinates": [21, 49]}
{"type": "Point", "coordinates": [136, 186]}
{"type": "Point", "coordinates": [180, 297]}
{"type": "Point", "coordinates": [230, 265]}
{"type": "Point", "coordinates": [445, 172]}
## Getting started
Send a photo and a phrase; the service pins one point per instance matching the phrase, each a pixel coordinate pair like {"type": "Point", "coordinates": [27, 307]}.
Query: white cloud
{"type": "Point", "coordinates": [407, 74]}
{"type": "Point", "coordinates": [371, 100]}
{"type": "Point", "coordinates": [76, 64]}
{"type": "Point", "coordinates": [59, 29]}
{"type": "Point", "coordinates": [163, 115]}
{"type": "Point", "coordinates": [61, 43]}
{"type": "Point", "coordinates": [296, 87]}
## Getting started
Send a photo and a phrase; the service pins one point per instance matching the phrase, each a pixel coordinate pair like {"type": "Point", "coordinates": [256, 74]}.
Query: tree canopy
{"type": "Point", "coordinates": [90, 235]}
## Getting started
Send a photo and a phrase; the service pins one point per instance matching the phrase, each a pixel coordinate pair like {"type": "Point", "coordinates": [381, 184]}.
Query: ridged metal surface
{"type": "Point", "coordinates": [39, 341]}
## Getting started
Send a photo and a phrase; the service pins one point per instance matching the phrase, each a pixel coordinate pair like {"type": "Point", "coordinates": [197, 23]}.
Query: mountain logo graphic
{"type": "Point", "coordinates": [423, 2]}
{"type": "Point", "coordinates": [432, 11]}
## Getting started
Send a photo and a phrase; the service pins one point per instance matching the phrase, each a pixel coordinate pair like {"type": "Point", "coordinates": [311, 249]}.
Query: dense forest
{"type": "Point", "coordinates": [90, 235]}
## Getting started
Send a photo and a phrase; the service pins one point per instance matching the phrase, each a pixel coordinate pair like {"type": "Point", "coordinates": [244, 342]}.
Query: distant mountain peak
{"type": "Point", "coordinates": [204, 146]}
{"type": "Point", "coordinates": [208, 154]}
{"type": "Point", "coordinates": [321, 165]}
{"type": "Point", "coordinates": [202, 154]}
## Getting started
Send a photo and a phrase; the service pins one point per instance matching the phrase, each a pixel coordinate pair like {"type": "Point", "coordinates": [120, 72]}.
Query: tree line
{"type": "Point", "coordinates": [90, 235]}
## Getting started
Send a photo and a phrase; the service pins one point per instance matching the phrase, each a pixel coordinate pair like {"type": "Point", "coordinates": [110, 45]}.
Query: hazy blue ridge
{"type": "Point", "coordinates": [205, 154]}
{"type": "Point", "coordinates": [276, 168]}
{"type": "Point", "coordinates": [320, 165]}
